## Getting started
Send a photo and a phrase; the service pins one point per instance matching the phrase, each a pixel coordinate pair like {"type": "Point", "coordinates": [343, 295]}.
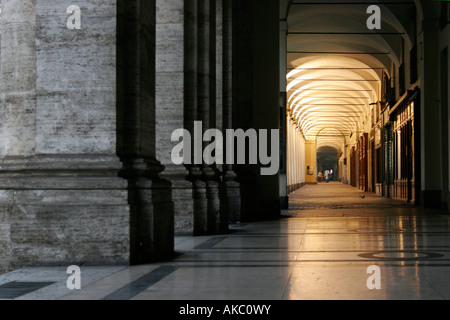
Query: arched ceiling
{"type": "Point", "coordinates": [336, 64]}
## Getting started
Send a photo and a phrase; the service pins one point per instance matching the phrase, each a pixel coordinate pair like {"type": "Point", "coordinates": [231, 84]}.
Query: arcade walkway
{"type": "Point", "coordinates": [320, 250]}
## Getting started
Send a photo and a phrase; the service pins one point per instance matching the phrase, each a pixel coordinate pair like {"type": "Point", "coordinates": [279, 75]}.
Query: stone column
{"type": "Point", "coordinates": [284, 199]}
{"type": "Point", "coordinates": [266, 93]}
{"type": "Point", "coordinates": [18, 79]}
{"type": "Point", "coordinates": [230, 192]}
{"type": "Point", "coordinates": [170, 106]}
{"type": "Point", "coordinates": [62, 200]}
{"type": "Point", "coordinates": [430, 113]}
{"type": "Point", "coordinates": [445, 115]}
{"type": "Point", "coordinates": [257, 94]}
{"type": "Point", "coordinates": [151, 206]}
{"type": "Point", "coordinates": [17, 108]}
{"type": "Point", "coordinates": [207, 103]}
{"type": "Point", "coordinates": [200, 226]}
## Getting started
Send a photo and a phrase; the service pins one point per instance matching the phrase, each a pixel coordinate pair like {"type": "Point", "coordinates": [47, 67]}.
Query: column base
{"type": "Point", "coordinates": [183, 199]}
{"type": "Point", "coordinates": [63, 210]}
{"type": "Point", "coordinates": [295, 187]}
{"type": "Point", "coordinates": [151, 212]}
{"type": "Point", "coordinates": [214, 219]}
{"type": "Point", "coordinates": [200, 208]}
{"type": "Point", "coordinates": [284, 201]}
{"type": "Point", "coordinates": [230, 204]}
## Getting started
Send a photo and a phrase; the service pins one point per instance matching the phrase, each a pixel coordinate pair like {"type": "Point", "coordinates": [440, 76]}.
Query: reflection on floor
{"type": "Point", "coordinates": [321, 249]}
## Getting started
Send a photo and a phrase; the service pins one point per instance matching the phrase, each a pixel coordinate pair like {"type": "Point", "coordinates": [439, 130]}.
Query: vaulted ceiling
{"type": "Point", "coordinates": [335, 63]}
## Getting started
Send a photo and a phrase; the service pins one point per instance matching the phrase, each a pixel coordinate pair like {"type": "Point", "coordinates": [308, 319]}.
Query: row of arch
{"type": "Point", "coordinates": [336, 65]}
{"type": "Point", "coordinates": [345, 83]}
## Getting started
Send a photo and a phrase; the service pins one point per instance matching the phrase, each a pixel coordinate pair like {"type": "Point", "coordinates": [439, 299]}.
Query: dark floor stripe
{"type": "Point", "coordinates": [210, 243]}
{"type": "Point", "coordinates": [136, 287]}
{"type": "Point", "coordinates": [15, 289]}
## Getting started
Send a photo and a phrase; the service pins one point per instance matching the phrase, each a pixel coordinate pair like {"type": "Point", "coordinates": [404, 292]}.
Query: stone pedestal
{"type": "Point", "coordinates": [183, 199]}
{"type": "Point", "coordinates": [151, 212]}
{"type": "Point", "coordinates": [230, 204]}
{"type": "Point", "coordinates": [61, 210]}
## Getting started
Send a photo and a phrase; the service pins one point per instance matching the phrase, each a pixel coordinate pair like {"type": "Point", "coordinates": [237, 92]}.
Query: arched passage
{"type": "Point", "coordinates": [99, 134]}
{"type": "Point", "coordinates": [343, 76]}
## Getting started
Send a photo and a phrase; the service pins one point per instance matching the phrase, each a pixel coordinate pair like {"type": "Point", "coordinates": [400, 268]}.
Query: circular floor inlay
{"type": "Point", "coordinates": [377, 230]}
{"type": "Point", "coordinates": [401, 255]}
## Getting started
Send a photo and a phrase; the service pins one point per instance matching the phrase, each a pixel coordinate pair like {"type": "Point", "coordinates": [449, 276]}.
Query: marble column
{"type": "Point", "coordinates": [284, 198]}
{"type": "Point", "coordinates": [230, 190]}
{"type": "Point", "coordinates": [431, 161]}
{"type": "Point", "coordinates": [207, 104]}
{"type": "Point", "coordinates": [152, 217]}
{"type": "Point", "coordinates": [200, 226]}
{"type": "Point", "coordinates": [445, 107]}
{"type": "Point", "coordinates": [256, 93]}
{"type": "Point", "coordinates": [170, 106]}
{"type": "Point", "coordinates": [61, 198]}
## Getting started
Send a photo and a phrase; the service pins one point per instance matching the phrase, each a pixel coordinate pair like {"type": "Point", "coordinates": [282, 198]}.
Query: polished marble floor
{"type": "Point", "coordinates": [321, 249]}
